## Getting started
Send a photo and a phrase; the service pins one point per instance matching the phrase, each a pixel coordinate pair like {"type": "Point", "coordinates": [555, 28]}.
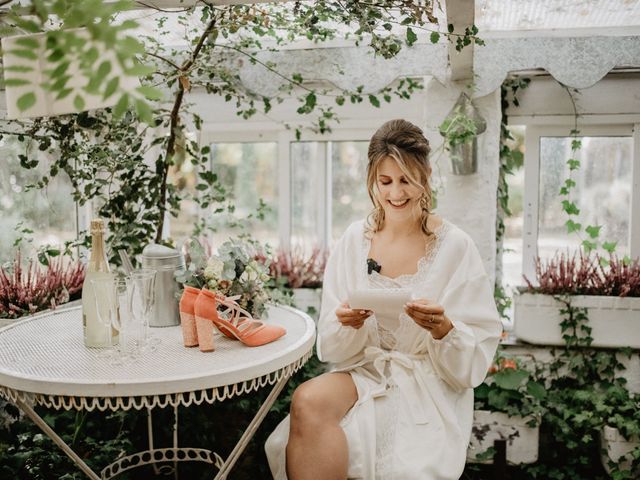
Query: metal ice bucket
{"type": "Point", "coordinates": [165, 261]}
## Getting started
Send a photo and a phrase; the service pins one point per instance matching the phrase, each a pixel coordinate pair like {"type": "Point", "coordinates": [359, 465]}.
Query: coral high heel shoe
{"type": "Point", "coordinates": [204, 312]}
{"type": "Point", "coordinates": [237, 322]}
{"type": "Point", "coordinates": [187, 316]}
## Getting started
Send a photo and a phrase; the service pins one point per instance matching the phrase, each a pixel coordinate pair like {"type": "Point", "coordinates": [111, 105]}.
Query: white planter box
{"type": "Point", "coordinates": [614, 446]}
{"type": "Point", "coordinates": [615, 320]}
{"type": "Point", "coordinates": [522, 440]}
{"type": "Point", "coordinates": [303, 298]}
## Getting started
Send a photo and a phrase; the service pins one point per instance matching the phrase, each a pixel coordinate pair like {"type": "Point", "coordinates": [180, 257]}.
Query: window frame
{"type": "Point", "coordinates": [533, 133]}
{"type": "Point", "coordinates": [284, 140]}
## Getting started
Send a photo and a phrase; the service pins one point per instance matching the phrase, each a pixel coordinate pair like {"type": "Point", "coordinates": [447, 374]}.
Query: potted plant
{"type": "Point", "coordinates": [603, 292]}
{"type": "Point", "coordinates": [302, 273]}
{"type": "Point", "coordinates": [27, 291]}
{"type": "Point", "coordinates": [620, 436]}
{"type": "Point", "coordinates": [507, 407]}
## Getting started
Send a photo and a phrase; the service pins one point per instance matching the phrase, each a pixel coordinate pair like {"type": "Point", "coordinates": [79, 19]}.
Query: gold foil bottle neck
{"type": "Point", "coordinates": [97, 225]}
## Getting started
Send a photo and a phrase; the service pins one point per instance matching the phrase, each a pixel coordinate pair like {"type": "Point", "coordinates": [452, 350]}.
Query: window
{"type": "Point", "coordinates": [328, 189]}
{"type": "Point", "coordinates": [602, 192]}
{"type": "Point", "coordinates": [50, 213]}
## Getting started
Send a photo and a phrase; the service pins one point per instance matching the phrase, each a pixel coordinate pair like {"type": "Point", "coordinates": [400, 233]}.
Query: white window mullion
{"type": "Point", "coordinates": [530, 211]}
{"type": "Point", "coordinates": [634, 214]}
{"type": "Point", "coordinates": [326, 239]}
{"type": "Point", "coordinates": [285, 219]}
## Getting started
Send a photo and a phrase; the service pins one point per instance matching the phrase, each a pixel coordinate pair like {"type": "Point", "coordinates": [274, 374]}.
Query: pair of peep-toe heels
{"type": "Point", "coordinates": [199, 314]}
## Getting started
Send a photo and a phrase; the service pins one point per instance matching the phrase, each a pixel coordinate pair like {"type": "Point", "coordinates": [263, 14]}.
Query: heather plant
{"type": "Point", "coordinates": [299, 269]}
{"type": "Point", "coordinates": [586, 274]}
{"type": "Point", "coordinates": [28, 290]}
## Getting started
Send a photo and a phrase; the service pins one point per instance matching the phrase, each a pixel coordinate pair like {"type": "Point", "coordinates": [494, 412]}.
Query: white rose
{"type": "Point", "coordinates": [249, 274]}
{"type": "Point", "coordinates": [209, 272]}
{"type": "Point", "coordinates": [215, 266]}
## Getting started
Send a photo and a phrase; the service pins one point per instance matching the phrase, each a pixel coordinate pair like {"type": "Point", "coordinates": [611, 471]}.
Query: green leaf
{"type": "Point", "coordinates": [144, 111]}
{"type": "Point", "coordinates": [28, 54]}
{"type": "Point", "coordinates": [573, 226]}
{"type": "Point", "coordinates": [610, 246]}
{"type": "Point", "coordinates": [374, 101]}
{"type": "Point", "coordinates": [510, 379]}
{"type": "Point", "coordinates": [411, 36]}
{"type": "Point", "coordinates": [16, 82]}
{"type": "Point", "coordinates": [111, 87]}
{"type": "Point", "coordinates": [18, 68]}
{"type": "Point", "coordinates": [434, 37]}
{"type": "Point", "coordinates": [78, 103]}
{"type": "Point", "coordinates": [593, 232]}
{"type": "Point", "coordinates": [536, 390]}
{"type": "Point", "coordinates": [450, 28]}
{"type": "Point", "coordinates": [63, 93]}
{"type": "Point", "coordinates": [573, 164]}
{"type": "Point", "coordinates": [589, 246]}
{"type": "Point", "coordinates": [150, 93]}
{"type": "Point", "coordinates": [121, 106]}
{"type": "Point", "coordinates": [570, 207]}
{"type": "Point", "coordinates": [28, 42]}
{"type": "Point", "coordinates": [130, 46]}
{"type": "Point", "coordinates": [26, 101]}
{"type": "Point", "coordinates": [340, 100]}
{"type": "Point", "coordinates": [27, 25]}
{"type": "Point", "coordinates": [104, 69]}
{"type": "Point", "coordinates": [140, 70]}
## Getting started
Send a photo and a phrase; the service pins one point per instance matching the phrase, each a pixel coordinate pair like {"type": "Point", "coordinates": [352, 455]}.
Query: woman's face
{"type": "Point", "coordinates": [399, 198]}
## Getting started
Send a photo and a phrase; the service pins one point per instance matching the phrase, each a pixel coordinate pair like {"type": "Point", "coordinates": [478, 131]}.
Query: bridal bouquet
{"type": "Point", "coordinates": [237, 269]}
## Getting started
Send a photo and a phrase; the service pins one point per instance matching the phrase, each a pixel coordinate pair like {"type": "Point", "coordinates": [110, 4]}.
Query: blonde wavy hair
{"type": "Point", "coordinates": [406, 144]}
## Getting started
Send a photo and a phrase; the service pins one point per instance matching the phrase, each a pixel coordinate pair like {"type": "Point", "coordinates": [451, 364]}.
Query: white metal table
{"type": "Point", "coordinates": [43, 361]}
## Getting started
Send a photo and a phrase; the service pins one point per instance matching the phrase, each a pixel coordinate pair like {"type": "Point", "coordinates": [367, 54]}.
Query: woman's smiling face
{"type": "Point", "coordinates": [399, 197]}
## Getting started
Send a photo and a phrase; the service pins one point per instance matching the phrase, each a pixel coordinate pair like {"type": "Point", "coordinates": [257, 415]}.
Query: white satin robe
{"type": "Point", "coordinates": [413, 416]}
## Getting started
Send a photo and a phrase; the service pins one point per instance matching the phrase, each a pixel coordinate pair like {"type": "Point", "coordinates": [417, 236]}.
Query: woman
{"type": "Point", "coordinates": [398, 402]}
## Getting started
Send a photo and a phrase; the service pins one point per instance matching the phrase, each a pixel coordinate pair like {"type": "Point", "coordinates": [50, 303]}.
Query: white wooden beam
{"type": "Point", "coordinates": [460, 14]}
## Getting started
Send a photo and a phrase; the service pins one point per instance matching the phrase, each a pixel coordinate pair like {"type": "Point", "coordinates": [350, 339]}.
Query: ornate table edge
{"type": "Point", "coordinates": [196, 397]}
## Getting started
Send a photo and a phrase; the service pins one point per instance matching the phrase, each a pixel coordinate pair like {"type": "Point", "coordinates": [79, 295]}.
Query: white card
{"type": "Point", "coordinates": [382, 301]}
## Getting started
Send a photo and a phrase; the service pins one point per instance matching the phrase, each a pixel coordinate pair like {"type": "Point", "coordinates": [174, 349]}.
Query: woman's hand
{"type": "Point", "coordinates": [430, 316]}
{"type": "Point", "coordinates": [352, 318]}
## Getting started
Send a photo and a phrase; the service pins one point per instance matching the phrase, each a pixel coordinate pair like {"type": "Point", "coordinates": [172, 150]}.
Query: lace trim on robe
{"type": "Point", "coordinates": [387, 406]}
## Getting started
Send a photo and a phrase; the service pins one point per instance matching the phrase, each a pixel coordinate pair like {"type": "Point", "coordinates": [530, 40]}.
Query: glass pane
{"type": "Point", "coordinates": [183, 176]}
{"type": "Point", "coordinates": [602, 191]}
{"type": "Point", "coordinates": [250, 172]}
{"type": "Point", "coordinates": [307, 192]}
{"type": "Point", "coordinates": [50, 213]}
{"type": "Point", "coordinates": [512, 240]}
{"type": "Point", "coordinates": [350, 198]}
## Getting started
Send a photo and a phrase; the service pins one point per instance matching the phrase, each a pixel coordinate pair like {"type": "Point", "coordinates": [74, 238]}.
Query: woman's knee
{"type": "Point", "coordinates": [318, 402]}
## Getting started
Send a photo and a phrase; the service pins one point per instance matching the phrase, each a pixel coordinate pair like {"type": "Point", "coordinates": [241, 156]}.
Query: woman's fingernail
{"type": "Point", "coordinates": [363, 312]}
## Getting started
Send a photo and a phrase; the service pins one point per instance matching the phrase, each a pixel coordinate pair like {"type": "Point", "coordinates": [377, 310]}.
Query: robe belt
{"type": "Point", "coordinates": [401, 366]}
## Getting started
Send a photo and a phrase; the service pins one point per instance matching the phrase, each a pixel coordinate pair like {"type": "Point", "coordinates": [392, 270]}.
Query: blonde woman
{"type": "Point", "coordinates": [398, 401]}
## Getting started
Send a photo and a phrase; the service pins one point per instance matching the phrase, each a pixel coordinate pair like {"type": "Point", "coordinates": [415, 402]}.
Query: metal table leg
{"type": "Point", "coordinates": [37, 419]}
{"type": "Point", "coordinates": [251, 429]}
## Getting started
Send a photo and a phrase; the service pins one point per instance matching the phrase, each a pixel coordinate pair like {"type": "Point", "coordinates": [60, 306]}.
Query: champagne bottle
{"type": "Point", "coordinates": [96, 334]}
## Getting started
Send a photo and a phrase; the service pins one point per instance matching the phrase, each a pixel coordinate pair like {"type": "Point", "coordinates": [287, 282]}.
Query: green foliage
{"type": "Point", "coordinates": [85, 31]}
{"type": "Point", "coordinates": [568, 205]}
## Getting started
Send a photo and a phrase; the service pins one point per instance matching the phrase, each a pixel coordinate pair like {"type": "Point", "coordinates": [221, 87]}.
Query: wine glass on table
{"type": "Point", "coordinates": [141, 303]}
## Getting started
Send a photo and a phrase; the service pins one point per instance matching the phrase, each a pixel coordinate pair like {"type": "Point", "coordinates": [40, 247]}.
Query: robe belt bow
{"type": "Point", "coordinates": [401, 372]}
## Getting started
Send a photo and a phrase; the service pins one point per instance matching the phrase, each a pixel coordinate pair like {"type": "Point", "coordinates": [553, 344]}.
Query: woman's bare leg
{"type": "Point", "coordinates": [317, 448]}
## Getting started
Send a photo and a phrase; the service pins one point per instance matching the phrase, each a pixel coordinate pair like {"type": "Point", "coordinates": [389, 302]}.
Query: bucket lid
{"type": "Point", "coordinates": [156, 254]}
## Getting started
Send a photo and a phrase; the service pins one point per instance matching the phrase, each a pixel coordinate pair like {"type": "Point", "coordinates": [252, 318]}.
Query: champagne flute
{"type": "Point", "coordinates": [141, 303]}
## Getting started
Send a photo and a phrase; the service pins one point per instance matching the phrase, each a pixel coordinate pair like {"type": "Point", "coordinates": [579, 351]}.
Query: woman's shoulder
{"type": "Point", "coordinates": [456, 237]}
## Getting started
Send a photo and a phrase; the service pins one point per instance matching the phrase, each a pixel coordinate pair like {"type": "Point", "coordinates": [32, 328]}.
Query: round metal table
{"type": "Point", "coordinates": [43, 361]}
